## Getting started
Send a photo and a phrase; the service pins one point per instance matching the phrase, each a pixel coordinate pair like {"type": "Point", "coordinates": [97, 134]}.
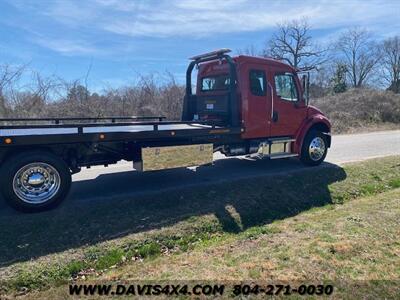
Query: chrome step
{"type": "Point", "coordinates": [281, 140]}
{"type": "Point", "coordinates": [276, 146]}
{"type": "Point", "coordinates": [282, 155]}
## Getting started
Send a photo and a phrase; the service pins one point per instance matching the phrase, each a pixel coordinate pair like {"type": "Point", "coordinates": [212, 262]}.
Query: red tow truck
{"type": "Point", "coordinates": [242, 105]}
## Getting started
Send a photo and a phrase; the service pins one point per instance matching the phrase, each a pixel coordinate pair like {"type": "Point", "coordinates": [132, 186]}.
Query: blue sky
{"type": "Point", "coordinates": [121, 38]}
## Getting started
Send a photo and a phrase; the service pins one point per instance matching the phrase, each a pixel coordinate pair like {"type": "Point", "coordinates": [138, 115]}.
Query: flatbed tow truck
{"type": "Point", "coordinates": [241, 106]}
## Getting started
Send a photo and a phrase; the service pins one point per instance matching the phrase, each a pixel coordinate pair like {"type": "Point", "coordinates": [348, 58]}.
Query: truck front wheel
{"type": "Point", "coordinates": [314, 148]}
{"type": "Point", "coordinates": [35, 181]}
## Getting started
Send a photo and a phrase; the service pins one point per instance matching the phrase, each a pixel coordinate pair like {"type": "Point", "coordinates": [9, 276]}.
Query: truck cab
{"type": "Point", "coordinates": [263, 96]}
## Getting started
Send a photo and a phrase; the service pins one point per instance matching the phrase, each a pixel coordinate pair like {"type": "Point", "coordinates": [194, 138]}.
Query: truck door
{"type": "Point", "coordinates": [289, 109]}
{"type": "Point", "coordinates": [255, 107]}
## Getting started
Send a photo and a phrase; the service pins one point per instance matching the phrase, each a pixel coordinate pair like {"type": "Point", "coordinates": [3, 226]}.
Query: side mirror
{"type": "Point", "coordinates": [306, 87]}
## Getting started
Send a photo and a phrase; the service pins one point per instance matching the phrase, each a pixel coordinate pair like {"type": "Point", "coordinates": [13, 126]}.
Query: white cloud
{"type": "Point", "coordinates": [66, 47]}
{"type": "Point", "coordinates": [208, 17]}
{"type": "Point", "coordinates": [200, 18]}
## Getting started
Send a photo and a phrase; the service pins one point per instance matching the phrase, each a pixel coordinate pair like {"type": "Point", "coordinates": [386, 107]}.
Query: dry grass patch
{"type": "Point", "coordinates": [361, 110]}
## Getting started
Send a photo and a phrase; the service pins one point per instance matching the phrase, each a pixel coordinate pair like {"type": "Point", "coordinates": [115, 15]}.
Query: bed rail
{"type": "Point", "coordinates": [56, 121]}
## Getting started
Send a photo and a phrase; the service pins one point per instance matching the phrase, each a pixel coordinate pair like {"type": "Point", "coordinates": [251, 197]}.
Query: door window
{"type": "Point", "coordinates": [257, 82]}
{"type": "Point", "coordinates": [285, 87]}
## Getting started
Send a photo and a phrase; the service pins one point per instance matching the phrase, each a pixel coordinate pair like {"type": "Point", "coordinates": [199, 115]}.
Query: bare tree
{"type": "Point", "coordinates": [359, 53]}
{"type": "Point", "coordinates": [9, 75]}
{"type": "Point", "coordinates": [54, 97]}
{"type": "Point", "coordinates": [292, 43]}
{"type": "Point", "coordinates": [320, 81]}
{"type": "Point", "coordinates": [171, 98]}
{"type": "Point", "coordinates": [391, 62]}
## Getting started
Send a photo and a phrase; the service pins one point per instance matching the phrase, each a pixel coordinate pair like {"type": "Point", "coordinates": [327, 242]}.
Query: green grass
{"type": "Point", "coordinates": [113, 236]}
{"type": "Point", "coordinates": [110, 258]}
{"type": "Point", "coordinates": [394, 183]}
{"type": "Point", "coordinates": [149, 250]}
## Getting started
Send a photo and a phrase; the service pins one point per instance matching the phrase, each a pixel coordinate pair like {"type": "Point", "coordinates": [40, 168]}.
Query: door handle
{"type": "Point", "coordinates": [275, 116]}
{"type": "Point", "coordinates": [272, 99]}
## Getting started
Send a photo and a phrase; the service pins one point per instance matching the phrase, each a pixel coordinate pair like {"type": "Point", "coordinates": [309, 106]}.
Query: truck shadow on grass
{"type": "Point", "coordinates": [239, 202]}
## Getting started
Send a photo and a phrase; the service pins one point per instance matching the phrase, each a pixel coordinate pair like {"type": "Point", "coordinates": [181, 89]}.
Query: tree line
{"type": "Point", "coordinates": [55, 97]}
{"type": "Point", "coordinates": [354, 59]}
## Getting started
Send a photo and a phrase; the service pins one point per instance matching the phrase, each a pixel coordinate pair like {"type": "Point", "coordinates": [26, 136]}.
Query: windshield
{"type": "Point", "coordinates": [215, 83]}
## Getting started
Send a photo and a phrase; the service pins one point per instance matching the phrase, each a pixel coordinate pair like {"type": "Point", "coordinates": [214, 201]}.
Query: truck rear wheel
{"type": "Point", "coordinates": [314, 148]}
{"type": "Point", "coordinates": [35, 181]}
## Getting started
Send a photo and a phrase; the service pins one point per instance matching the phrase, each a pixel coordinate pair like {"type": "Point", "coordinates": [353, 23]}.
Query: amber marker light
{"type": "Point", "coordinates": [102, 136]}
{"type": "Point", "coordinates": [8, 141]}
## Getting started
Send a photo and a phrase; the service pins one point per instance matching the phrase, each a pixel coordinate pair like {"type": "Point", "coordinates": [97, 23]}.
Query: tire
{"type": "Point", "coordinates": [35, 181]}
{"type": "Point", "coordinates": [314, 148]}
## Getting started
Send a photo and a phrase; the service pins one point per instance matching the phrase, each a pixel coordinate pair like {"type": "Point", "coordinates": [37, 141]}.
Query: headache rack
{"type": "Point", "coordinates": [189, 104]}
{"type": "Point", "coordinates": [211, 55]}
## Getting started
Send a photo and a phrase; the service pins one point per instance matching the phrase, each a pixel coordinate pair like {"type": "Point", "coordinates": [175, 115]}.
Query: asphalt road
{"type": "Point", "coordinates": [120, 181]}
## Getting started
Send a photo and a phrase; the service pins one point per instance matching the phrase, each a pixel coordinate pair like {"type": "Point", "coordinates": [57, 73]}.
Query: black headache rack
{"type": "Point", "coordinates": [146, 130]}
{"type": "Point", "coordinates": [190, 100]}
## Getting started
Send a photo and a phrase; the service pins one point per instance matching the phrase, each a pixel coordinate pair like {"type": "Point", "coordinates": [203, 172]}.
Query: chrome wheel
{"type": "Point", "coordinates": [317, 148]}
{"type": "Point", "coordinates": [36, 183]}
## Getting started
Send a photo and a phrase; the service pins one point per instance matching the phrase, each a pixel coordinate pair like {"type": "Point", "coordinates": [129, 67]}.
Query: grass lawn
{"type": "Point", "coordinates": [328, 223]}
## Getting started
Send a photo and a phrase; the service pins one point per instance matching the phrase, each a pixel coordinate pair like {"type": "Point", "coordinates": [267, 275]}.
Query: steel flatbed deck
{"type": "Point", "coordinates": [32, 131]}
